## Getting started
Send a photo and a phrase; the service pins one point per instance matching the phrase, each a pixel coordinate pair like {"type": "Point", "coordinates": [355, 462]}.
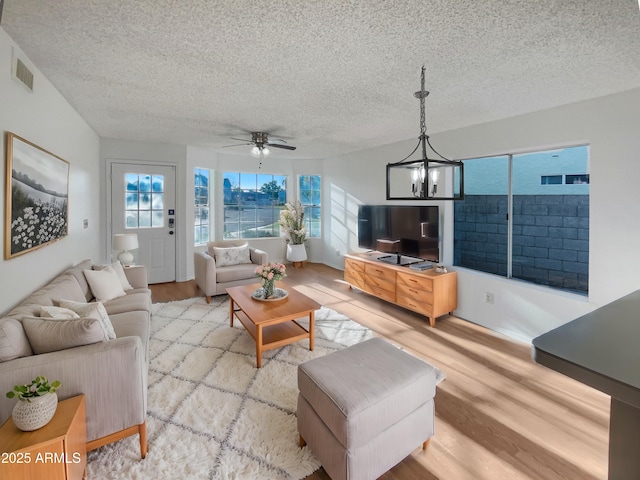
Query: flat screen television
{"type": "Point", "coordinates": [409, 234]}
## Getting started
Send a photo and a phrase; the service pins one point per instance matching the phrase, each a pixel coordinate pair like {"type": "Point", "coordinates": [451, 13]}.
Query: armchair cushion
{"type": "Point", "coordinates": [231, 255]}
{"type": "Point", "coordinates": [233, 273]}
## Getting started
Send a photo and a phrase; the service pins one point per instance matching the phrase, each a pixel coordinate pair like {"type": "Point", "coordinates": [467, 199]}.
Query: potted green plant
{"type": "Point", "coordinates": [37, 403]}
{"type": "Point", "coordinates": [291, 222]}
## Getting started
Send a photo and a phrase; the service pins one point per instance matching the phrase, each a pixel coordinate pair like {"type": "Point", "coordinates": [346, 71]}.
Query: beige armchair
{"type": "Point", "coordinates": [226, 263]}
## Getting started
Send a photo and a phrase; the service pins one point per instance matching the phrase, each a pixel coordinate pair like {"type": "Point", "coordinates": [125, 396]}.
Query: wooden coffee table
{"type": "Point", "coordinates": [272, 324]}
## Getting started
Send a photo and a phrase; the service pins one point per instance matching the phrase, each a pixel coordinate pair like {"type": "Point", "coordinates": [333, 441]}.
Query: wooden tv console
{"type": "Point", "coordinates": [428, 293]}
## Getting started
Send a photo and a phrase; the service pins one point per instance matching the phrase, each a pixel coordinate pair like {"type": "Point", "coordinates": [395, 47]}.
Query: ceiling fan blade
{"type": "Point", "coordinates": [241, 139]}
{"type": "Point", "coordinates": [237, 145]}
{"type": "Point", "coordinates": [278, 145]}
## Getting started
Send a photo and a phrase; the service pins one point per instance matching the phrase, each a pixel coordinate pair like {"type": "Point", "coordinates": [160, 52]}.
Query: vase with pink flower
{"type": "Point", "coordinates": [268, 275]}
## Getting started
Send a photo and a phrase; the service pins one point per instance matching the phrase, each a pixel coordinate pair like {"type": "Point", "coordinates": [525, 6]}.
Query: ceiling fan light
{"type": "Point", "coordinates": [265, 151]}
{"type": "Point", "coordinates": [255, 151]}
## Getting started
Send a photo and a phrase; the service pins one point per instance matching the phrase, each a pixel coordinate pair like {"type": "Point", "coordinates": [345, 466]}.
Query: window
{"type": "Point", "coordinates": [309, 190]}
{"type": "Point", "coordinates": [252, 204]}
{"type": "Point", "coordinates": [144, 200]}
{"type": "Point", "coordinates": [202, 226]}
{"type": "Point", "coordinates": [514, 225]}
{"type": "Point", "coordinates": [551, 180]}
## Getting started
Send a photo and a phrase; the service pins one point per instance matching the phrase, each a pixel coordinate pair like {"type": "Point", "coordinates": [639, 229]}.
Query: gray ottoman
{"type": "Point", "coordinates": [363, 409]}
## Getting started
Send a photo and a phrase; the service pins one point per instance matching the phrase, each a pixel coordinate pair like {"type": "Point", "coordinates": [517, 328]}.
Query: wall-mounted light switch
{"type": "Point", "coordinates": [86, 223]}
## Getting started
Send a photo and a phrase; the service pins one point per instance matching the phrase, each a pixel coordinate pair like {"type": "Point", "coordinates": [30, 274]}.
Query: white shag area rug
{"type": "Point", "coordinates": [211, 413]}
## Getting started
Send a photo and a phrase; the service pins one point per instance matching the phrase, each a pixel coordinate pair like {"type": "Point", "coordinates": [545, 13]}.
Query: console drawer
{"type": "Point", "coordinates": [354, 272]}
{"type": "Point", "coordinates": [378, 272]}
{"type": "Point", "coordinates": [354, 277]}
{"type": "Point", "coordinates": [415, 304]}
{"type": "Point", "coordinates": [415, 294]}
{"type": "Point", "coordinates": [354, 265]}
{"type": "Point", "coordinates": [379, 289]}
{"type": "Point", "coordinates": [416, 282]}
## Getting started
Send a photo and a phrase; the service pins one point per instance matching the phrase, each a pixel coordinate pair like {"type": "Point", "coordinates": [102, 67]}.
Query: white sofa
{"type": "Point", "coordinates": [111, 373]}
{"type": "Point", "coordinates": [213, 274]}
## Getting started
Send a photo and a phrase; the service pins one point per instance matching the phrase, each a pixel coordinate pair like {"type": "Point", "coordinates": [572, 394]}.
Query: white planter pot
{"type": "Point", "coordinates": [36, 413]}
{"type": "Point", "coordinates": [296, 253]}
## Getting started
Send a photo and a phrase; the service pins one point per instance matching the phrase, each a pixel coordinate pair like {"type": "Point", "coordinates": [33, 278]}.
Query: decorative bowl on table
{"type": "Point", "coordinates": [278, 294]}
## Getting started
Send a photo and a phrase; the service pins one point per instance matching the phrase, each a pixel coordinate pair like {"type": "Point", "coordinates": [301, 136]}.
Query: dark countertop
{"type": "Point", "coordinates": [600, 349]}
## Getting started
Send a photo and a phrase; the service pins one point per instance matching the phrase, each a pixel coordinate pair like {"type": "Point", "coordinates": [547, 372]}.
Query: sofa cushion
{"type": "Point", "coordinates": [46, 335]}
{"type": "Point", "coordinates": [13, 340]}
{"type": "Point", "coordinates": [77, 273]}
{"type": "Point", "coordinates": [92, 310]}
{"type": "Point", "coordinates": [57, 313]}
{"type": "Point", "coordinates": [236, 272]}
{"type": "Point", "coordinates": [130, 302]}
{"type": "Point", "coordinates": [232, 255]}
{"type": "Point", "coordinates": [105, 284]}
{"type": "Point", "coordinates": [119, 271]}
{"type": "Point", "coordinates": [63, 286]}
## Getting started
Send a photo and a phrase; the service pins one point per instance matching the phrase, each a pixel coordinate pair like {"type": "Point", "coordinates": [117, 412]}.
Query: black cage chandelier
{"type": "Point", "coordinates": [425, 178]}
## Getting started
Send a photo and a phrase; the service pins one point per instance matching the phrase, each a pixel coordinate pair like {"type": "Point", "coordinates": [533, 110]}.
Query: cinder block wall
{"type": "Point", "coordinates": [550, 238]}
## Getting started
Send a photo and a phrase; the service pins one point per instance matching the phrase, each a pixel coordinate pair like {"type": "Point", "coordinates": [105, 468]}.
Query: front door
{"type": "Point", "coordinates": [143, 201]}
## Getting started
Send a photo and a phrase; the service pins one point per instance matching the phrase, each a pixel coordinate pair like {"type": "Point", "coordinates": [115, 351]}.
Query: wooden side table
{"type": "Point", "coordinates": [55, 451]}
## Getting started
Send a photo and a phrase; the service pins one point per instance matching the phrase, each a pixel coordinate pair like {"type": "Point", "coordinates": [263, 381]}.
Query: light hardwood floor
{"type": "Point", "coordinates": [499, 415]}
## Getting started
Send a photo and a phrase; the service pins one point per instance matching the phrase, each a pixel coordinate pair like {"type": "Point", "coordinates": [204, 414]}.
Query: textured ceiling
{"type": "Point", "coordinates": [328, 76]}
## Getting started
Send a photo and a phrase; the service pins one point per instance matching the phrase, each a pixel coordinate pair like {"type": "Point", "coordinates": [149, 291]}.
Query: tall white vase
{"type": "Point", "coordinates": [296, 253]}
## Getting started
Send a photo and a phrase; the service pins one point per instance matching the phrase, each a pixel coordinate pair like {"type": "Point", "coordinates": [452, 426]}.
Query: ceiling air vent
{"type": "Point", "coordinates": [22, 73]}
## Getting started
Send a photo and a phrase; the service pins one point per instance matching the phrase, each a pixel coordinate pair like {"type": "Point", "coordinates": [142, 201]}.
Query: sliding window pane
{"type": "Point", "coordinates": [480, 220]}
{"type": "Point", "coordinates": [551, 221]}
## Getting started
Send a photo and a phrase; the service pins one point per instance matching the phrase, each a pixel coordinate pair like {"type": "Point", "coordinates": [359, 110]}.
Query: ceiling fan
{"type": "Point", "coordinates": [261, 144]}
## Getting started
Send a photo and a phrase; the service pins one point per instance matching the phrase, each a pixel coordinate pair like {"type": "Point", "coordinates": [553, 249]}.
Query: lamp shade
{"type": "Point", "coordinates": [125, 241]}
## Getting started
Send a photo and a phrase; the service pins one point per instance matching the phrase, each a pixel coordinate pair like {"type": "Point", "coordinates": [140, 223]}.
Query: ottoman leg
{"type": "Point", "coordinates": [424, 445]}
{"type": "Point", "coordinates": [302, 442]}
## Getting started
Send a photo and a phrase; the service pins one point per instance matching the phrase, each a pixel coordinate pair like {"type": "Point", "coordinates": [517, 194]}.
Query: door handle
{"type": "Point", "coordinates": [170, 232]}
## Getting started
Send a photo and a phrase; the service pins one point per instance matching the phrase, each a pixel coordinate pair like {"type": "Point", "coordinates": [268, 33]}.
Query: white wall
{"type": "Point", "coordinates": [46, 119]}
{"type": "Point", "coordinates": [610, 125]}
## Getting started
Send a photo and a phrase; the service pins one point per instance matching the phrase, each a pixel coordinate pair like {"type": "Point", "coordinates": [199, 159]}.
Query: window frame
{"type": "Point", "coordinates": [307, 221]}
{"type": "Point", "coordinates": [510, 218]}
{"type": "Point", "coordinates": [198, 225]}
{"type": "Point", "coordinates": [252, 199]}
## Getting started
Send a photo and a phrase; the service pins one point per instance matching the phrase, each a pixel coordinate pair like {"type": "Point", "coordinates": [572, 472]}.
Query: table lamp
{"type": "Point", "coordinates": [125, 242]}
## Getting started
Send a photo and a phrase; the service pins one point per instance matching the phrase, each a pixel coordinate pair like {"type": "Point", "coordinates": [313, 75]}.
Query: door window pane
{"type": "Point", "coordinates": [143, 207]}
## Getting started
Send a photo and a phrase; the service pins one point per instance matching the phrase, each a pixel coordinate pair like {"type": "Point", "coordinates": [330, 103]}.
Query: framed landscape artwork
{"type": "Point", "coordinates": [37, 192]}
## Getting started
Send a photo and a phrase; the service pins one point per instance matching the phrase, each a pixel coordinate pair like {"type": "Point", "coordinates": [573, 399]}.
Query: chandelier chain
{"type": "Point", "coordinates": [423, 126]}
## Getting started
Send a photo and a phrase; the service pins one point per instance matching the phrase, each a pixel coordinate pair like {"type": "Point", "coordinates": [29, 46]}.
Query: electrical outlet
{"type": "Point", "coordinates": [489, 297]}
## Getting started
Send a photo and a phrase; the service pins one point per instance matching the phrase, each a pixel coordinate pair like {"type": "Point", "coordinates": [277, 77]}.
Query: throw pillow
{"type": "Point", "coordinates": [119, 271]}
{"type": "Point", "coordinates": [104, 284]}
{"type": "Point", "coordinates": [232, 255]}
{"type": "Point", "coordinates": [92, 310]}
{"type": "Point", "coordinates": [57, 313]}
{"type": "Point", "coordinates": [46, 336]}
